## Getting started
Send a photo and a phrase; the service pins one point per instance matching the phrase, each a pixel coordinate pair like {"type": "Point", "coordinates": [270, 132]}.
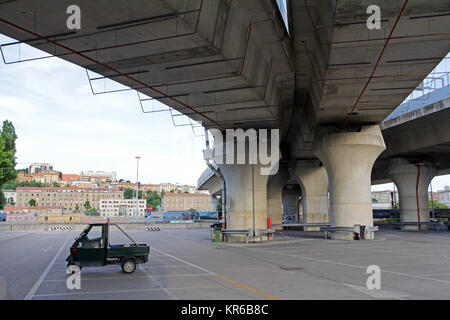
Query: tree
{"type": "Point", "coordinates": [2, 200]}
{"type": "Point", "coordinates": [7, 152]}
{"type": "Point", "coordinates": [77, 208]}
{"type": "Point", "coordinates": [10, 202]}
{"type": "Point", "coordinates": [129, 193]}
{"type": "Point", "coordinates": [374, 200]}
{"type": "Point", "coordinates": [32, 203]}
{"type": "Point", "coordinates": [55, 184]}
{"type": "Point", "coordinates": [436, 205]}
{"type": "Point", "coordinates": [8, 135]}
{"type": "Point", "coordinates": [93, 212]}
{"type": "Point", "coordinates": [153, 198]}
{"type": "Point", "coordinates": [87, 205]}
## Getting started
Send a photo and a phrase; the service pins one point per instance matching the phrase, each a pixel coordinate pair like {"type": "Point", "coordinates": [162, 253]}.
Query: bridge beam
{"type": "Point", "coordinates": [412, 183]}
{"type": "Point", "coordinates": [313, 181]}
{"type": "Point", "coordinates": [349, 158]}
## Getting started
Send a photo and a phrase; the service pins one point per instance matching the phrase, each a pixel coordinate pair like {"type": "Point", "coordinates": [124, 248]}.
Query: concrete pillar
{"type": "Point", "coordinates": [275, 187]}
{"type": "Point", "coordinates": [313, 180]}
{"type": "Point", "coordinates": [246, 197]}
{"type": "Point", "coordinates": [291, 197]}
{"type": "Point", "coordinates": [348, 158]}
{"type": "Point", "coordinates": [412, 183]}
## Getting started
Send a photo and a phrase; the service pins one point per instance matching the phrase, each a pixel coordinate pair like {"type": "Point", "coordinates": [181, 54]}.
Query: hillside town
{"type": "Point", "coordinates": [42, 194]}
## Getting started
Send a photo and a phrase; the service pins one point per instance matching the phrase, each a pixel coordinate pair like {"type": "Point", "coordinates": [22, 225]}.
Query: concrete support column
{"type": "Point", "coordinates": [412, 183]}
{"type": "Point", "coordinates": [348, 158]}
{"type": "Point", "coordinates": [246, 197]}
{"type": "Point", "coordinates": [313, 180]}
{"type": "Point", "coordinates": [246, 161]}
{"type": "Point", "coordinates": [275, 186]}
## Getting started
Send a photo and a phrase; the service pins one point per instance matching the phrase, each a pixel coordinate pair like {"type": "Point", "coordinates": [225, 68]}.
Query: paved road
{"type": "Point", "coordinates": [184, 264]}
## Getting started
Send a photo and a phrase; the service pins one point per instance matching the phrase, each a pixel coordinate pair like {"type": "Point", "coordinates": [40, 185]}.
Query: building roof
{"type": "Point", "coordinates": [177, 194]}
{"type": "Point", "coordinates": [62, 188]}
{"type": "Point", "coordinates": [67, 177]}
{"type": "Point", "coordinates": [18, 208]}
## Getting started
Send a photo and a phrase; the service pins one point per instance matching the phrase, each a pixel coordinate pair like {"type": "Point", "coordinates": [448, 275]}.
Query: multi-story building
{"type": "Point", "coordinates": [147, 187]}
{"type": "Point", "coordinates": [123, 185]}
{"type": "Point", "coordinates": [50, 176]}
{"type": "Point", "coordinates": [24, 177]}
{"type": "Point", "coordinates": [69, 198]}
{"type": "Point", "coordinates": [444, 197]}
{"type": "Point", "coordinates": [121, 207]}
{"type": "Point", "coordinates": [166, 187]}
{"type": "Point", "coordinates": [24, 214]}
{"type": "Point", "coordinates": [89, 175]}
{"type": "Point", "coordinates": [174, 201]}
{"type": "Point", "coordinates": [39, 167]}
{"type": "Point", "coordinates": [68, 179]}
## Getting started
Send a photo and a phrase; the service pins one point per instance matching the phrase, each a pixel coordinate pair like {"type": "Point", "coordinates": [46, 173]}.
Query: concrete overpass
{"type": "Point", "coordinates": [326, 82]}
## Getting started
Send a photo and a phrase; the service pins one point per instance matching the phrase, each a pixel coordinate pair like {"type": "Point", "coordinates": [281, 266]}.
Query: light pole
{"type": "Point", "coordinates": [137, 185]}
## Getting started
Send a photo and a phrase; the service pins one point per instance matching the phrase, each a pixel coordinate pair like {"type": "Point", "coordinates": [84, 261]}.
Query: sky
{"type": "Point", "coordinates": [59, 121]}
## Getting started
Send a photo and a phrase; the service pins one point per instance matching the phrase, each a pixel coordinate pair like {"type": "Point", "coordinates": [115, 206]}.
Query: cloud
{"type": "Point", "coordinates": [59, 120]}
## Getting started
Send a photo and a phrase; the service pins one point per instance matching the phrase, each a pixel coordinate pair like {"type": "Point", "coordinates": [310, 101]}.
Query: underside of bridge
{"type": "Point", "coordinates": [326, 82]}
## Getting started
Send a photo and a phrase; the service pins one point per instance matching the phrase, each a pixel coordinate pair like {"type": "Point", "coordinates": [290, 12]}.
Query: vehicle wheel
{"type": "Point", "coordinates": [128, 265]}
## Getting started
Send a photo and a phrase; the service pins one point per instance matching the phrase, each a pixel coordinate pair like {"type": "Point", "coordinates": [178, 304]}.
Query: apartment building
{"type": "Point", "coordinates": [113, 207]}
{"type": "Point", "coordinates": [184, 201]}
{"type": "Point", "coordinates": [39, 167]}
{"type": "Point", "coordinates": [66, 197]}
{"type": "Point", "coordinates": [93, 176]}
{"type": "Point", "coordinates": [69, 178]}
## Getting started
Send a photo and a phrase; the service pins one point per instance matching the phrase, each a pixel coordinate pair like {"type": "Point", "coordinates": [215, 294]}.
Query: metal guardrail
{"type": "Point", "coordinates": [226, 233]}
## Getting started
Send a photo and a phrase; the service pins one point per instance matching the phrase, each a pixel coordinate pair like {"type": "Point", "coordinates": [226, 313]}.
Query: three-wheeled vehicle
{"type": "Point", "coordinates": [92, 248]}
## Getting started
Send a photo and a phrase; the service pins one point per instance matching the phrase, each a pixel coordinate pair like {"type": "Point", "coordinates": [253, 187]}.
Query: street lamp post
{"type": "Point", "coordinates": [137, 185]}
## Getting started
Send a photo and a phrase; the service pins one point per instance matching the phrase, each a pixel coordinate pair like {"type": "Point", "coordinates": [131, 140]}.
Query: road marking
{"type": "Point", "coordinates": [131, 290]}
{"type": "Point", "coordinates": [350, 265]}
{"type": "Point", "coordinates": [38, 283]}
{"type": "Point", "coordinates": [160, 285]}
{"type": "Point", "coordinates": [184, 261]}
{"type": "Point", "coordinates": [247, 287]}
{"type": "Point", "coordinates": [221, 277]}
{"type": "Point", "coordinates": [136, 277]}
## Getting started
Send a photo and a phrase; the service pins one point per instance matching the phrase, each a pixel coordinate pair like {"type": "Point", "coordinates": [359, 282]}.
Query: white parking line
{"type": "Point", "coordinates": [160, 285]}
{"type": "Point", "coordinates": [184, 261]}
{"type": "Point", "coordinates": [38, 283]}
{"type": "Point", "coordinates": [136, 277]}
{"type": "Point", "coordinates": [350, 265]}
{"type": "Point", "coordinates": [133, 290]}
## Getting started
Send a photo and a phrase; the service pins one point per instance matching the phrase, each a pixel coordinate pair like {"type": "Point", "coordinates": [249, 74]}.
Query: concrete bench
{"type": "Point", "coordinates": [261, 232]}
{"type": "Point", "coordinates": [330, 229]}
{"type": "Point", "coordinates": [227, 232]}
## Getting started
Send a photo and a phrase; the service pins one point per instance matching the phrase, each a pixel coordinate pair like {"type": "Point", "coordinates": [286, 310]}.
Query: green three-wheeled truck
{"type": "Point", "coordinates": [92, 248]}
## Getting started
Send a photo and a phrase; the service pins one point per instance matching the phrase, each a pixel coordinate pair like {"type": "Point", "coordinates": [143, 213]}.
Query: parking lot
{"type": "Point", "coordinates": [185, 264]}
